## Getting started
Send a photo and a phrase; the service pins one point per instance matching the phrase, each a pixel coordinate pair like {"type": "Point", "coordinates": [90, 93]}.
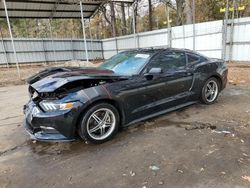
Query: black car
{"type": "Point", "coordinates": [92, 103]}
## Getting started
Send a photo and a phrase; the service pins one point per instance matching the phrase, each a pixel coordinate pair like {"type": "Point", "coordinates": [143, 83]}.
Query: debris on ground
{"type": "Point", "coordinates": [154, 168]}
{"type": "Point", "coordinates": [198, 125]}
{"type": "Point", "coordinates": [161, 182]}
{"type": "Point", "coordinates": [240, 160]}
{"type": "Point", "coordinates": [132, 173]}
{"type": "Point", "coordinates": [180, 171]}
{"type": "Point", "coordinates": [225, 132]}
{"type": "Point", "coordinates": [211, 151]}
{"type": "Point", "coordinates": [246, 178]}
{"type": "Point", "coordinates": [244, 154]}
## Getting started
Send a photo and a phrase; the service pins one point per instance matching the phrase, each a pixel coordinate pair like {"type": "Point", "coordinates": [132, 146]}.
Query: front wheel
{"type": "Point", "coordinates": [210, 91]}
{"type": "Point", "coordinates": [100, 123]}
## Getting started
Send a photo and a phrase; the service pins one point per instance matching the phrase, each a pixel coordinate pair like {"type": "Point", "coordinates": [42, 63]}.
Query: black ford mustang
{"type": "Point", "coordinates": [92, 103]}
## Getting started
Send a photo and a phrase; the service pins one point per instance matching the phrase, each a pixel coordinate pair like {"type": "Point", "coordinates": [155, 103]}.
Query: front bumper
{"type": "Point", "coordinates": [51, 126]}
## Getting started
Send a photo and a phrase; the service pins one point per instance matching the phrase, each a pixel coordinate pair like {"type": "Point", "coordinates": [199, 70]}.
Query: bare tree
{"type": "Point", "coordinates": [188, 12]}
{"type": "Point", "coordinates": [150, 21]}
{"type": "Point", "coordinates": [182, 8]}
{"type": "Point", "coordinates": [180, 5]}
{"type": "Point", "coordinates": [112, 20]}
{"type": "Point", "coordinates": [124, 24]}
{"type": "Point", "coordinates": [135, 14]}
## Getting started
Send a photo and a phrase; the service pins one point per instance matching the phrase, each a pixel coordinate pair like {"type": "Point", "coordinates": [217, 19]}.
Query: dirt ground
{"type": "Point", "coordinates": [199, 146]}
{"type": "Point", "coordinates": [238, 72]}
{"type": "Point", "coordinates": [9, 76]}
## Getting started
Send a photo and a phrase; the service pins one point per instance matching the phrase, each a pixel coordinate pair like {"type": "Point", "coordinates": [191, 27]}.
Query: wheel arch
{"type": "Point", "coordinates": [218, 77]}
{"type": "Point", "coordinates": [113, 102]}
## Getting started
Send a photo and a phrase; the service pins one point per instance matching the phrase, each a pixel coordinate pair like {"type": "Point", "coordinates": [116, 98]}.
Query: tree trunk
{"type": "Point", "coordinates": [124, 24]}
{"type": "Point", "coordinates": [188, 12]}
{"type": "Point", "coordinates": [150, 24]}
{"type": "Point", "coordinates": [180, 4]}
{"type": "Point", "coordinates": [135, 15]}
{"type": "Point", "coordinates": [113, 20]}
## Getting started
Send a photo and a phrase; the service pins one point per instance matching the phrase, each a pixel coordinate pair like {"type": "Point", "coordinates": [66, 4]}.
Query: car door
{"type": "Point", "coordinates": [176, 78]}
{"type": "Point", "coordinates": [139, 96]}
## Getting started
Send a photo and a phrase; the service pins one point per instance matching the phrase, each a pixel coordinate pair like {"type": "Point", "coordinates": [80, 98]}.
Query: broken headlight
{"type": "Point", "coordinates": [49, 106]}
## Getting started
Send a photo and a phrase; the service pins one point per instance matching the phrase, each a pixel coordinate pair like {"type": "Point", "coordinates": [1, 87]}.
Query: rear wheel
{"type": "Point", "coordinates": [210, 91]}
{"type": "Point", "coordinates": [100, 123]}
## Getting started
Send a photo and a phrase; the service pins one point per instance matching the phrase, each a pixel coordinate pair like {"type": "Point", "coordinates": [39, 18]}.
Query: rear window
{"type": "Point", "coordinates": [193, 58]}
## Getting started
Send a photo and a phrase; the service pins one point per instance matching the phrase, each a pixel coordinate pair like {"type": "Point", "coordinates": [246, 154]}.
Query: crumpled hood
{"type": "Point", "coordinates": [52, 79]}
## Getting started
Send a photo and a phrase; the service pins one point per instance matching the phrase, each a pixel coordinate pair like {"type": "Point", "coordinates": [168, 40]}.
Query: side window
{"type": "Point", "coordinates": [193, 58]}
{"type": "Point", "coordinates": [168, 61]}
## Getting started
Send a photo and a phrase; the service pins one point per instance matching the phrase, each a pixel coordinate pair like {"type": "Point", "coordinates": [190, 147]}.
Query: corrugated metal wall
{"type": "Point", "coordinates": [209, 41]}
{"type": "Point", "coordinates": [47, 50]}
{"type": "Point", "coordinates": [240, 49]}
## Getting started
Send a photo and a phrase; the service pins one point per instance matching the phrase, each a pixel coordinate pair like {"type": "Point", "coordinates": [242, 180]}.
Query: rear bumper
{"type": "Point", "coordinates": [51, 126]}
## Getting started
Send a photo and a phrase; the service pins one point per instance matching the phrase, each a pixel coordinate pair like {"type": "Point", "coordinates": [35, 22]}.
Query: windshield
{"type": "Point", "coordinates": [126, 63]}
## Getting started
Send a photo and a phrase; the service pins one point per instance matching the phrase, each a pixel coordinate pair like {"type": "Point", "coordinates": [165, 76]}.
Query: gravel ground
{"type": "Point", "coordinates": [199, 146]}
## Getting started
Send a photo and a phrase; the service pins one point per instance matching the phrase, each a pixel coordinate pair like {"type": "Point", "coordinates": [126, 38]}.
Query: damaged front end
{"type": "Point", "coordinates": [57, 100]}
{"type": "Point", "coordinates": [51, 116]}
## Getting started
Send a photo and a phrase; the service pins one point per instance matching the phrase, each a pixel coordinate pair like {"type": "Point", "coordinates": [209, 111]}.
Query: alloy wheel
{"type": "Point", "coordinates": [101, 124]}
{"type": "Point", "coordinates": [211, 91]}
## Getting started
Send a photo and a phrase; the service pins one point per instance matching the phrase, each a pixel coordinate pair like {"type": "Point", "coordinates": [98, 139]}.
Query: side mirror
{"type": "Point", "coordinates": [153, 72]}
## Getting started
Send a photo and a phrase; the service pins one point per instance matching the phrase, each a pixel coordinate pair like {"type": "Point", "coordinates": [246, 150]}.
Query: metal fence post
{"type": "Point", "coordinates": [53, 44]}
{"type": "Point", "coordinates": [44, 50]}
{"type": "Point", "coordinates": [72, 49]}
{"type": "Point", "coordinates": [224, 34]}
{"type": "Point", "coordinates": [194, 34]}
{"type": "Point", "coordinates": [12, 41]}
{"type": "Point", "coordinates": [169, 27]}
{"type": "Point", "coordinates": [84, 34]}
{"type": "Point", "coordinates": [232, 34]}
{"type": "Point", "coordinates": [91, 40]}
{"type": "Point", "coordinates": [4, 50]}
{"type": "Point", "coordinates": [116, 45]}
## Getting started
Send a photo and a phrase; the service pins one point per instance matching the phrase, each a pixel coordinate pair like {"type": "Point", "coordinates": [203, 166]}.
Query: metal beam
{"type": "Point", "coordinates": [232, 33]}
{"type": "Point", "coordinates": [53, 2]}
{"type": "Point", "coordinates": [84, 33]}
{"type": "Point", "coordinates": [12, 41]}
{"type": "Point", "coordinates": [43, 10]}
{"type": "Point", "coordinates": [224, 51]}
{"type": "Point", "coordinates": [46, 17]}
{"type": "Point", "coordinates": [193, 11]}
{"type": "Point", "coordinates": [91, 39]}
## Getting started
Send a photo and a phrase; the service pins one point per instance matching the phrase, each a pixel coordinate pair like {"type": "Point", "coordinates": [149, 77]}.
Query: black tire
{"type": "Point", "coordinates": [84, 131]}
{"type": "Point", "coordinates": [204, 99]}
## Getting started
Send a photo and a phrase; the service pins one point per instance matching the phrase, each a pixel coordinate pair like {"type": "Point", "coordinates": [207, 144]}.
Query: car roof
{"type": "Point", "coordinates": [156, 50]}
